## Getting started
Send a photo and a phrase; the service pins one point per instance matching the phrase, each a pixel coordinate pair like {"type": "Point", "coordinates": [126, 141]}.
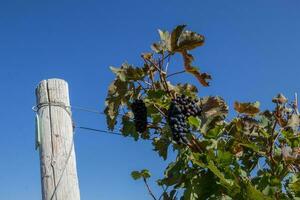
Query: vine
{"type": "Point", "coordinates": [253, 156]}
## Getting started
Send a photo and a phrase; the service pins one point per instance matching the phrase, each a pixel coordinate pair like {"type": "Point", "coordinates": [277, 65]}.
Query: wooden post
{"type": "Point", "coordinates": [57, 154]}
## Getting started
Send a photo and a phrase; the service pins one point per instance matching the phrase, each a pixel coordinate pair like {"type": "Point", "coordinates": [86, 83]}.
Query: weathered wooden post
{"type": "Point", "coordinates": [56, 143]}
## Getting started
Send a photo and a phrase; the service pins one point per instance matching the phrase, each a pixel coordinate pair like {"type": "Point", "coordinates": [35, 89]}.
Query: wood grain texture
{"type": "Point", "coordinates": [56, 142]}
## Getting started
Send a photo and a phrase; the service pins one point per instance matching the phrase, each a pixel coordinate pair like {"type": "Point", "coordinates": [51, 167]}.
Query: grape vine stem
{"type": "Point", "coordinates": [159, 110]}
{"type": "Point", "coordinates": [175, 73]}
{"type": "Point", "coordinates": [149, 189]}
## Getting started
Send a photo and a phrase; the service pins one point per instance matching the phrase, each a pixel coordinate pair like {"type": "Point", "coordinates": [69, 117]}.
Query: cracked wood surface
{"type": "Point", "coordinates": [56, 142]}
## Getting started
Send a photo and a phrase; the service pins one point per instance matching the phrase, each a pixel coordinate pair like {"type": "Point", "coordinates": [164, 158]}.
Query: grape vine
{"type": "Point", "coordinates": [252, 156]}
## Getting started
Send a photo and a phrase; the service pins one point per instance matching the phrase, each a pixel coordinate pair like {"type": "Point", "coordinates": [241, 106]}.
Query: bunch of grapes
{"type": "Point", "coordinates": [139, 110]}
{"type": "Point", "coordinates": [180, 109]}
{"type": "Point", "coordinates": [177, 123]}
{"type": "Point", "coordinates": [188, 105]}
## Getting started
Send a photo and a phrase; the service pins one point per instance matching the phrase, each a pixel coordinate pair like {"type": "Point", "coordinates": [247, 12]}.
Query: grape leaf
{"type": "Point", "coordinates": [189, 40]}
{"type": "Point", "coordinates": [161, 146]}
{"type": "Point", "coordinates": [194, 121]}
{"type": "Point", "coordinates": [136, 175]}
{"type": "Point", "coordinates": [173, 44]}
{"type": "Point", "coordinates": [116, 95]}
{"type": "Point", "coordinates": [203, 78]}
{"type": "Point", "coordinates": [247, 108]}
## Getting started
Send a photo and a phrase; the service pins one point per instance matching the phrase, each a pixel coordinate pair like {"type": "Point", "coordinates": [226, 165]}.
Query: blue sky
{"type": "Point", "coordinates": [252, 51]}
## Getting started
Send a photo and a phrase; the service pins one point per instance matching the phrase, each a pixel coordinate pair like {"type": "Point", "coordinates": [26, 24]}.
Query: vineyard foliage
{"type": "Point", "coordinates": [254, 155]}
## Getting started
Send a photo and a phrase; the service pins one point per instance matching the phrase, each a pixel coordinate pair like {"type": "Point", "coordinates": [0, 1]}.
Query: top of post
{"type": "Point", "coordinates": [62, 81]}
{"type": "Point", "coordinates": [53, 91]}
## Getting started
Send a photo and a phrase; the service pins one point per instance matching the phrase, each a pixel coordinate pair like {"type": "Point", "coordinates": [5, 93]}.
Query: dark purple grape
{"type": "Point", "coordinates": [139, 110]}
{"type": "Point", "coordinates": [180, 109]}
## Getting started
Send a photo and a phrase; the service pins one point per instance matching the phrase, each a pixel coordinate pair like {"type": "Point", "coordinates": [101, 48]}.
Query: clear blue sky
{"type": "Point", "coordinates": [252, 50]}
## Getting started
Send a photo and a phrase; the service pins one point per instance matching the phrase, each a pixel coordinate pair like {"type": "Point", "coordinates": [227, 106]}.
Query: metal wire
{"type": "Point", "coordinates": [88, 110]}
{"type": "Point", "coordinates": [80, 108]}
{"type": "Point", "coordinates": [61, 105]}
{"type": "Point", "coordinates": [107, 132]}
{"type": "Point", "coordinates": [99, 130]}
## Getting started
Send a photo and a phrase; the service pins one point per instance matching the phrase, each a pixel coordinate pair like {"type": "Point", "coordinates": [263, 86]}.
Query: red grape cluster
{"type": "Point", "coordinates": [139, 110]}
{"type": "Point", "coordinates": [180, 109]}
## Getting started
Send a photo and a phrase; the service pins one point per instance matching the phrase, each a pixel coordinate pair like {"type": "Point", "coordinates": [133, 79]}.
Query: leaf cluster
{"type": "Point", "coordinates": [255, 155]}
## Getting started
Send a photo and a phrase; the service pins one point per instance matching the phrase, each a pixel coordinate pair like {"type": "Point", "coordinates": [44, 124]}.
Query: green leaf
{"type": "Point", "coordinates": [116, 96]}
{"type": "Point", "coordinates": [173, 173]}
{"type": "Point", "coordinates": [186, 89]}
{"type": "Point", "coordinates": [140, 174]}
{"type": "Point", "coordinates": [227, 182]}
{"type": "Point", "coordinates": [294, 185]}
{"type": "Point", "coordinates": [136, 175]}
{"type": "Point", "coordinates": [224, 157]}
{"type": "Point", "coordinates": [155, 94]}
{"type": "Point", "coordinates": [230, 184]}
{"type": "Point", "coordinates": [205, 185]}
{"type": "Point", "coordinates": [134, 73]}
{"type": "Point", "coordinates": [194, 121]}
{"type": "Point", "coordinates": [251, 146]}
{"type": "Point", "coordinates": [251, 193]}
{"type": "Point", "coordinates": [129, 73]}
{"type": "Point", "coordinates": [156, 118]}
{"type": "Point", "coordinates": [161, 146]}
{"type": "Point", "coordinates": [214, 132]}
{"type": "Point", "coordinates": [119, 72]}
{"type": "Point", "coordinates": [128, 128]}
{"type": "Point", "coordinates": [145, 174]}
